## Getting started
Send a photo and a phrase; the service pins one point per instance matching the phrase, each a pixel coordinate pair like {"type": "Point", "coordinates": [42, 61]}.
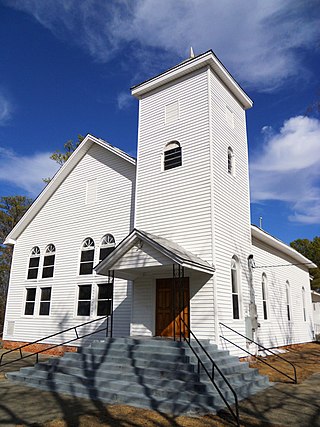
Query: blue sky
{"type": "Point", "coordinates": [66, 67]}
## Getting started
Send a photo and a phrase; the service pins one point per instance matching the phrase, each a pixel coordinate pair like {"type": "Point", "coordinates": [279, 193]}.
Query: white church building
{"type": "Point", "coordinates": [165, 237]}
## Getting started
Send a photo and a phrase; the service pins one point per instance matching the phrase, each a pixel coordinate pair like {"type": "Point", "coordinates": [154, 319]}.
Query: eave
{"type": "Point", "coordinates": [193, 64]}
{"type": "Point", "coordinates": [265, 237]}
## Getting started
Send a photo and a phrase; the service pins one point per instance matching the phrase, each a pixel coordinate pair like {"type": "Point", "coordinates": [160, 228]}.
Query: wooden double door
{"type": "Point", "coordinates": [172, 301]}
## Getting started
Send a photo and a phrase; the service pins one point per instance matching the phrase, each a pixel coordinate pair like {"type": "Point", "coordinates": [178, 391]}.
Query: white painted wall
{"type": "Point", "coordinates": [277, 330]}
{"type": "Point", "coordinates": [66, 220]}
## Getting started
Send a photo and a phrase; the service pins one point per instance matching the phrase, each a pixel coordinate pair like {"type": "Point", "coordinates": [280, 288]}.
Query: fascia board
{"type": "Point", "coordinates": [57, 180]}
{"type": "Point", "coordinates": [280, 246]}
{"type": "Point", "coordinates": [130, 241]}
{"type": "Point", "coordinates": [207, 58]}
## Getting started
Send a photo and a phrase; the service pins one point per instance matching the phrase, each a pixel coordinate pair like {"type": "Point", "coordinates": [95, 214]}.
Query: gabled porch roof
{"type": "Point", "coordinates": [142, 250]}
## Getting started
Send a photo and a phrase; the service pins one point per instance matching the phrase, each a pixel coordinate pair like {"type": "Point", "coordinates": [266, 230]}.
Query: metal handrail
{"type": "Point", "coordinates": [36, 353]}
{"type": "Point", "coordinates": [235, 413]}
{"type": "Point", "coordinates": [294, 378]}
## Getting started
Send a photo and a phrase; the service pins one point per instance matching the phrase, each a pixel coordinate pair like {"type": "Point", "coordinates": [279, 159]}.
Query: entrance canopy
{"type": "Point", "coordinates": [141, 252]}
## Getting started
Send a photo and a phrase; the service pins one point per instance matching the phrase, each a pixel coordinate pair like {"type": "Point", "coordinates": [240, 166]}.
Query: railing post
{"type": "Point", "coordinates": [174, 299]}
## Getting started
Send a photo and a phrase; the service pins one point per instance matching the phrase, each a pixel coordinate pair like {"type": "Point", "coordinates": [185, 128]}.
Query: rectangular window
{"type": "Point", "coordinates": [45, 302]}
{"type": "Point", "coordinates": [84, 300]}
{"type": "Point", "coordinates": [30, 301]}
{"type": "Point", "coordinates": [91, 196]}
{"type": "Point", "coordinates": [33, 267]}
{"type": "Point", "coordinates": [86, 262]}
{"type": "Point", "coordinates": [104, 307]}
{"type": "Point", "coordinates": [48, 266]}
{"type": "Point", "coordinates": [235, 294]}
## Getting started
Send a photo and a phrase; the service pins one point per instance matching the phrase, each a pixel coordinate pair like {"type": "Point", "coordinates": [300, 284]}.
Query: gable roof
{"type": "Point", "coordinates": [168, 248]}
{"type": "Point", "coordinates": [204, 59]}
{"type": "Point", "coordinates": [59, 177]}
{"type": "Point", "coordinates": [270, 240]}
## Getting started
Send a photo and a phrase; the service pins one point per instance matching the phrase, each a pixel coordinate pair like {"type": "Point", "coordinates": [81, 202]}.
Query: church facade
{"type": "Point", "coordinates": [163, 245]}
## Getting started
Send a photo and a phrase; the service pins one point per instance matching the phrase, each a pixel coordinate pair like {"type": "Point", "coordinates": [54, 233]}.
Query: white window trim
{"type": "Point", "coordinates": [93, 274]}
{"type": "Point", "coordinates": [91, 315]}
{"type": "Point", "coordinates": [238, 275]}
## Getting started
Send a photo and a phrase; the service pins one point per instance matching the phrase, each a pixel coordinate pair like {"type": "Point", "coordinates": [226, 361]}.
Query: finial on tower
{"type": "Point", "coordinates": [192, 55]}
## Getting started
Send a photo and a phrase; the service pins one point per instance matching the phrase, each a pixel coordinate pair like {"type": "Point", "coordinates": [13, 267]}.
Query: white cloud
{"type": "Point", "coordinates": [124, 99]}
{"type": "Point", "coordinates": [5, 110]}
{"type": "Point", "coordinates": [288, 169]}
{"type": "Point", "coordinates": [26, 172]}
{"type": "Point", "coordinates": [260, 42]}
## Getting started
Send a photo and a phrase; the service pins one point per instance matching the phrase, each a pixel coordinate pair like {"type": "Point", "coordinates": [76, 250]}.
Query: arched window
{"type": "Point", "coordinates": [172, 156]}
{"type": "Point", "coordinates": [264, 284]}
{"type": "Point", "coordinates": [107, 245]}
{"type": "Point", "coordinates": [87, 256]}
{"type": "Point", "coordinates": [288, 300]}
{"type": "Point", "coordinates": [235, 286]}
{"type": "Point", "coordinates": [48, 262]}
{"type": "Point", "coordinates": [231, 167]}
{"type": "Point", "coordinates": [304, 303]}
{"type": "Point", "coordinates": [34, 263]}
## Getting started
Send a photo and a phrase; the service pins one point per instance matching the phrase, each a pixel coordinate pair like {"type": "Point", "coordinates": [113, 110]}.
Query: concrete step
{"type": "Point", "coordinates": [149, 373]}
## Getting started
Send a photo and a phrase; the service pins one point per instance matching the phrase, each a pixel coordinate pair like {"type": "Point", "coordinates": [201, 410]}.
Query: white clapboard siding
{"type": "Point", "coordinates": [66, 220]}
{"type": "Point", "coordinates": [176, 203]}
{"type": "Point", "coordinates": [147, 256]}
{"type": "Point", "coordinates": [231, 213]}
{"type": "Point", "coordinates": [277, 330]}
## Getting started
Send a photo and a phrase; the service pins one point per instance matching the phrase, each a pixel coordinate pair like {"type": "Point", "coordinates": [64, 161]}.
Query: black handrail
{"type": "Point", "coordinates": [36, 353]}
{"type": "Point", "coordinates": [187, 338]}
{"type": "Point", "coordinates": [294, 379]}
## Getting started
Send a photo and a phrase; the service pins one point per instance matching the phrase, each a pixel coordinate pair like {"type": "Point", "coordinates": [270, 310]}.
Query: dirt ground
{"type": "Point", "coordinates": [283, 404]}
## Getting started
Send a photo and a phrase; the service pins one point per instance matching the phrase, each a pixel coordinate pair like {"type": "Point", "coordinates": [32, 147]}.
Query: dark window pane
{"type": "Point", "coordinates": [84, 308]}
{"type": "Point", "coordinates": [47, 272]}
{"type": "Point", "coordinates": [87, 255]}
{"type": "Point", "coordinates": [86, 268]}
{"type": "Point", "coordinates": [104, 308]}
{"type": "Point", "coordinates": [84, 292]}
{"type": "Point", "coordinates": [105, 291]}
{"type": "Point", "coordinates": [172, 158]}
{"type": "Point", "coordinates": [44, 308]}
{"type": "Point", "coordinates": [288, 312]}
{"type": "Point", "coordinates": [265, 313]}
{"type": "Point", "coordinates": [235, 304]}
{"type": "Point", "coordinates": [34, 262]}
{"type": "Point", "coordinates": [29, 308]}
{"type": "Point", "coordinates": [49, 260]}
{"type": "Point", "coordinates": [31, 294]}
{"type": "Point", "coordinates": [234, 281]}
{"type": "Point", "coordinates": [45, 294]}
{"type": "Point", "coordinates": [32, 273]}
{"type": "Point", "coordinates": [104, 252]}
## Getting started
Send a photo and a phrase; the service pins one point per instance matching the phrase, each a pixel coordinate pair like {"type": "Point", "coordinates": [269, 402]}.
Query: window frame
{"type": "Point", "coordinates": [235, 266]}
{"type": "Point", "coordinates": [264, 296]}
{"type": "Point", "coordinates": [84, 249]}
{"type": "Point", "coordinates": [33, 301]}
{"type": "Point", "coordinates": [231, 162]}
{"type": "Point", "coordinates": [110, 299]}
{"type": "Point", "coordinates": [304, 304]}
{"type": "Point", "coordinates": [166, 150]}
{"type": "Point", "coordinates": [79, 285]}
{"type": "Point", "coordinates": [34, 255]}
{"type": "Point", "coordinates": [108, 245]}
{"type": "Point", "coordinates": [49, 253]}
{"type": "Point", "coordinates": [288, 302]}
{"type": "Point", "coordinates": [45, 301]}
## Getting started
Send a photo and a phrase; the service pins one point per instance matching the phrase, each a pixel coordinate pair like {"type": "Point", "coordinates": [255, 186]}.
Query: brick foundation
{"type": "Point", "coordinates": [32, 348]}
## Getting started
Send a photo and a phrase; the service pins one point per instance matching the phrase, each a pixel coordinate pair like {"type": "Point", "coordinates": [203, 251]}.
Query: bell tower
{"type": "Point", "coordinates": [192, 175]}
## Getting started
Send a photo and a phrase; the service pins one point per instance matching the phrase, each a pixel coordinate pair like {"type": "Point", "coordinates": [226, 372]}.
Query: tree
{"type": "Point", "coordinates": [311, 250]}
{"type": "Point", "coordinates": [12, 208]}
{"type": "Point", "coordinates": [61, 157]}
